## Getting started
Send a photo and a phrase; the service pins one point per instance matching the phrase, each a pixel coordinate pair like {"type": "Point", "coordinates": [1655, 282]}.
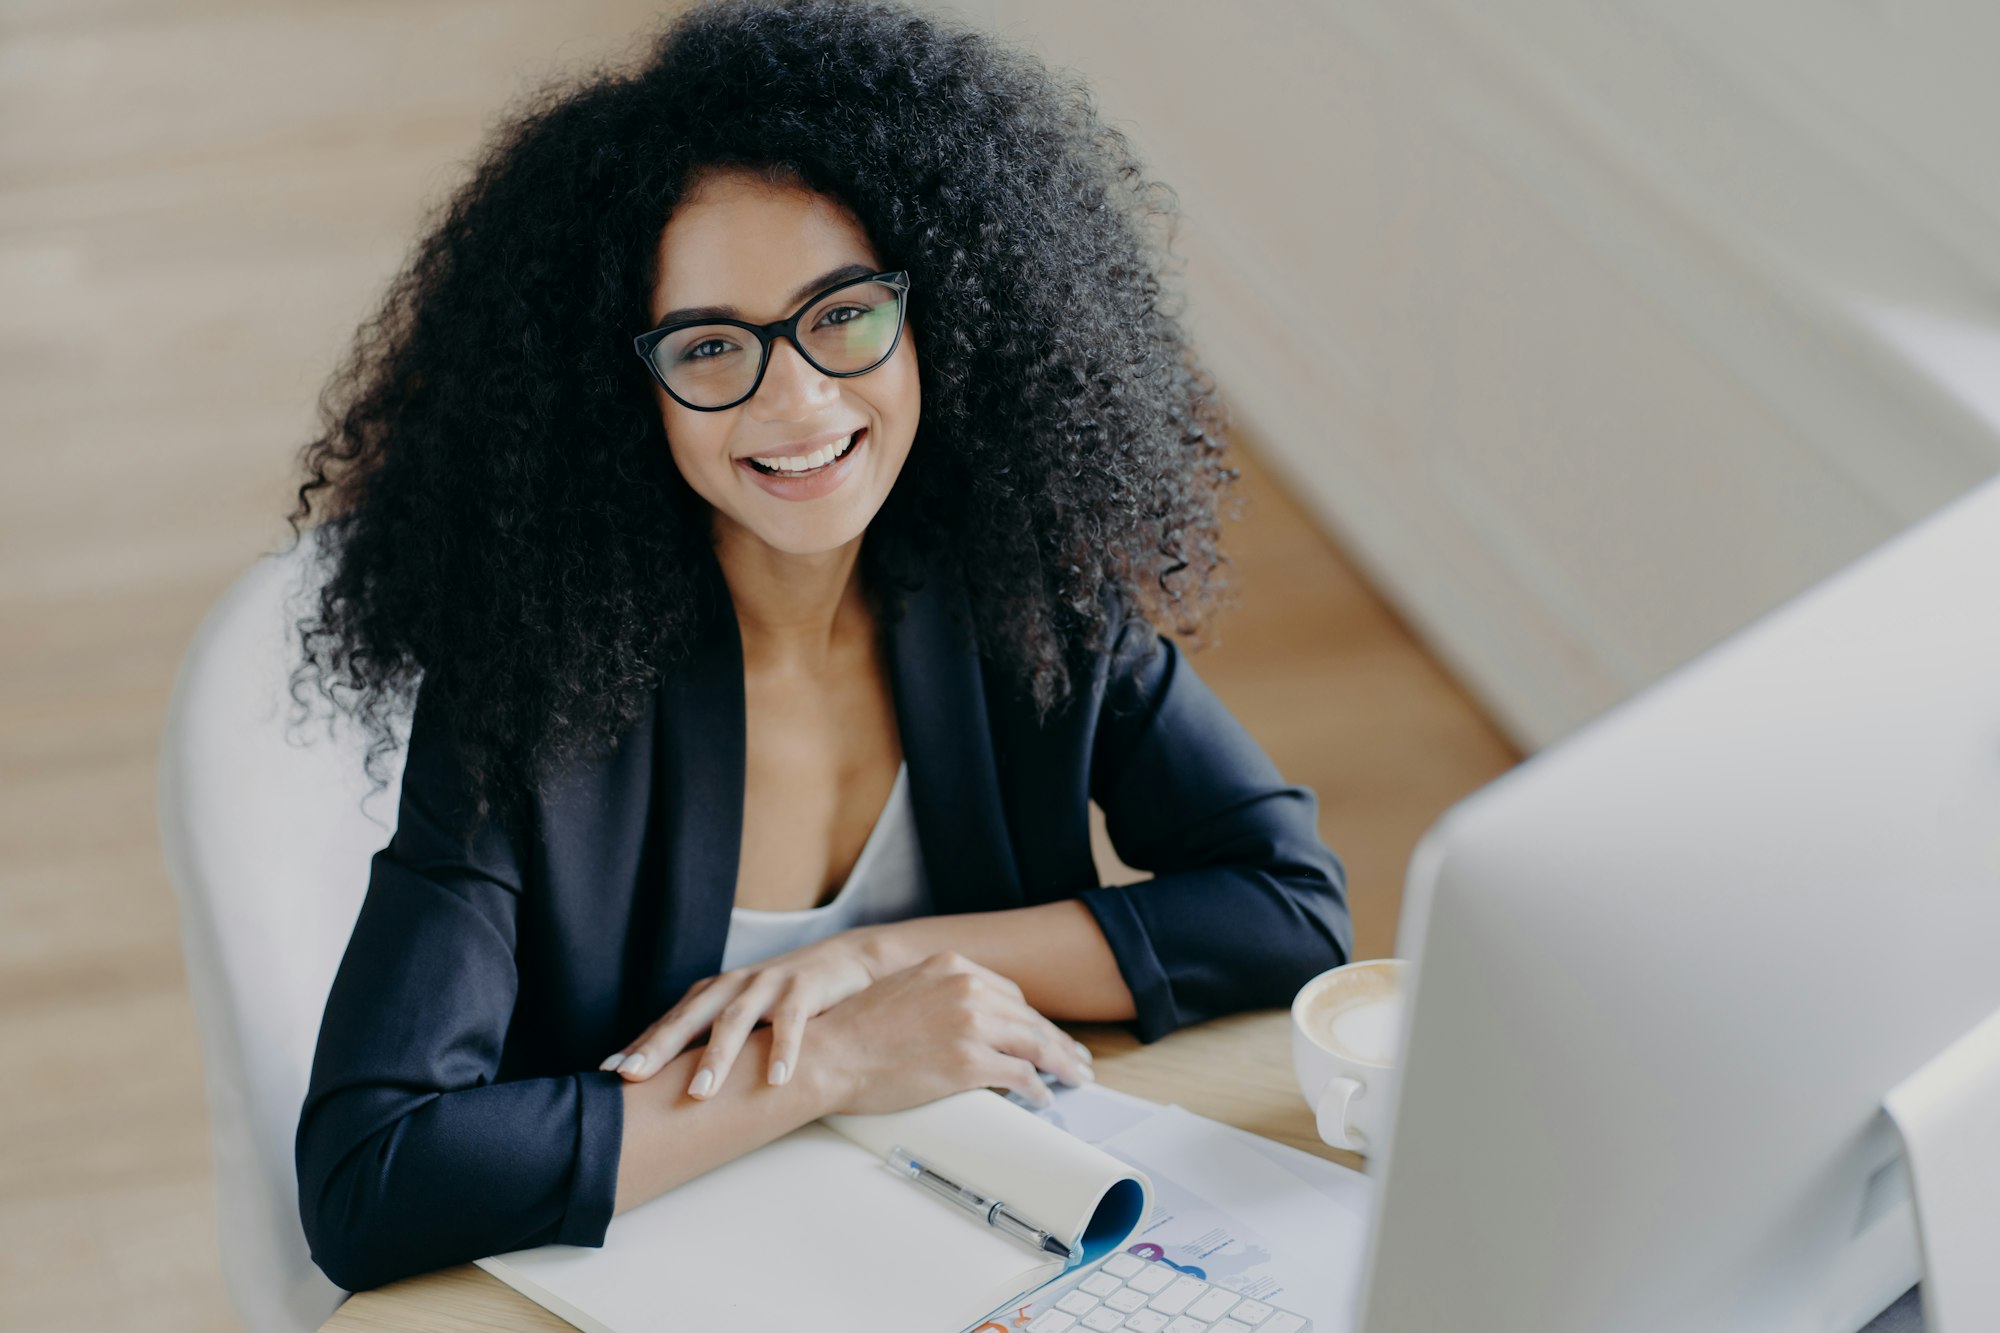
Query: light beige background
{"type": "Point", "coordinates": [1595, 330]}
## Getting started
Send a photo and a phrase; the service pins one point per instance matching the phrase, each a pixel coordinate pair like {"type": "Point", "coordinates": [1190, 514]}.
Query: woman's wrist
{"type": "Point", "coordinates": [884, 949]}
{"type": "Point", "coordinates": [829, 1078]}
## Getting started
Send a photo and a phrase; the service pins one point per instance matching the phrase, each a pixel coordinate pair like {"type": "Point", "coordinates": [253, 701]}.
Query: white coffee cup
{"type": "Point", "coordinates": [1345, 1026]}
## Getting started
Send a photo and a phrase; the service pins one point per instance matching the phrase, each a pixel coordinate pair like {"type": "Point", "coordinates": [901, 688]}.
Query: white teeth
{"type": "Point", "coordinates": [819, 457]}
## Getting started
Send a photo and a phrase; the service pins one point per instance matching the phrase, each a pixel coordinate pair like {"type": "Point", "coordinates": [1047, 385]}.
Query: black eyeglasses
{"type": "Point", "coordinates": [847, 330]}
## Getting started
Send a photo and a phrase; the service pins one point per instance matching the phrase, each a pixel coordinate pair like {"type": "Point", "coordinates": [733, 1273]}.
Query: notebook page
{"type": "Point", "coordinates": [807, 1228]}
{"type": "Point", "coordinates": [1079, 1193]}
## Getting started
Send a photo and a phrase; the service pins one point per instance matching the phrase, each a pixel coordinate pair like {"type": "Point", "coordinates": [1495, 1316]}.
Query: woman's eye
{"type": "Point", "coordinates": [843, 314]}
{"type": "Point", "coordinates": [706, 349]}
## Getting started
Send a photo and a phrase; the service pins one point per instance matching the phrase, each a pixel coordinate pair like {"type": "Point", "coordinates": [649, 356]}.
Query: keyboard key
{"type": "Point", "coordinates": [1077, 1302]}
{"type": "Point", "coordinates": [1175, 1297]}
{"type": "Point", "coordinates": [1123, 1264]}
{"type": "Point", "coordinates": [1213, 1304]}
{"type": "Point", "coordinates": [1156, 1297]}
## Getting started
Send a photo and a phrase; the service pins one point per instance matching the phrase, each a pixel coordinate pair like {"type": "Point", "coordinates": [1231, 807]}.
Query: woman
{"type": "Point", "coordinates": [767, 674]}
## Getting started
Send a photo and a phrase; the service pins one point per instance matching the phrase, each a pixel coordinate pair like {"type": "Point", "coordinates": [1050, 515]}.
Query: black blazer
{"type": "Point", "coordinates": [455, 1108]}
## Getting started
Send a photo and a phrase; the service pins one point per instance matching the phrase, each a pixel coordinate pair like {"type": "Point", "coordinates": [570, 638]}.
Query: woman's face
{"type": "Point", "coordinates": [757, 251]}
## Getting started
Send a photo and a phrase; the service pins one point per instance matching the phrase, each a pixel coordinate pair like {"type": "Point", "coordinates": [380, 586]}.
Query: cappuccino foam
{"type": "Point", "coordinates": [1359, 1019]}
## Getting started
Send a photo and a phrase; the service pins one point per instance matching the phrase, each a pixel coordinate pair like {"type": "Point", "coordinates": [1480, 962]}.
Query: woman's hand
{"type": "Point", "coordinates": [943, 1026]}
{"type": "Point", "coordinates": [787, 990]}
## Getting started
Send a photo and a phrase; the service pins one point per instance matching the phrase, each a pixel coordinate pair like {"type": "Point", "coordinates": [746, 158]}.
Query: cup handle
{"type": "Point", "coordinates": [1331, 1113]}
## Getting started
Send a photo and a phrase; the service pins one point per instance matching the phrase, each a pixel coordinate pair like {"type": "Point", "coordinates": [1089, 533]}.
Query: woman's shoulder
{"type": "Point", "coordinates": [441, 808]}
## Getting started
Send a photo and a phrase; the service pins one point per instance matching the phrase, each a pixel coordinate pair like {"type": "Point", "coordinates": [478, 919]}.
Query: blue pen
{"type": "Point", "coordinates": [995, 1212]}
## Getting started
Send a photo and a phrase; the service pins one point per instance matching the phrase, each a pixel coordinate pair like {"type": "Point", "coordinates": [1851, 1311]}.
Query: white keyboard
{"type": "Point", "coordinates": [1128, 1293]}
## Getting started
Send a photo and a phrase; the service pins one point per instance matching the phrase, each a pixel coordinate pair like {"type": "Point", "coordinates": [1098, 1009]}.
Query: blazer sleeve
{"type": "Point", "coordinates": [1246, 904]}
{"type": "Point", "coordinates": [410, 1155]}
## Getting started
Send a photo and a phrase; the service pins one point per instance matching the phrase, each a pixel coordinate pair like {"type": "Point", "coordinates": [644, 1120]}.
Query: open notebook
{"type": "Point", "coordinates": [817, 1231]}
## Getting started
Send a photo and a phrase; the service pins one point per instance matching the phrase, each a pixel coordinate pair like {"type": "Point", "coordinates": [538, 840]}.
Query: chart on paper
{"type": "Point", "coordinates": [1262, 1220]}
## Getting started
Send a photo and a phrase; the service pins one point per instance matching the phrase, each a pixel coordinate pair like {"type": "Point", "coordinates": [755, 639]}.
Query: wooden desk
{"type": "Point", "coordinates": [1236, 1069]}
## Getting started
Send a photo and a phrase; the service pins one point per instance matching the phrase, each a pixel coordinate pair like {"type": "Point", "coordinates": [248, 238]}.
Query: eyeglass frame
{"type": "Point", "coordinates": [767, 334]}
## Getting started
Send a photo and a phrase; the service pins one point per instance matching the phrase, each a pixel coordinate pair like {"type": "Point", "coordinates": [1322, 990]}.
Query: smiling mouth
{"type": "Point", "coordinates": [845, 450]}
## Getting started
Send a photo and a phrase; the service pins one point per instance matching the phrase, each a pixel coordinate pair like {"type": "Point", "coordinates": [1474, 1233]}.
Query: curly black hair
{"type": "Point", "coordinates": [500, 519]}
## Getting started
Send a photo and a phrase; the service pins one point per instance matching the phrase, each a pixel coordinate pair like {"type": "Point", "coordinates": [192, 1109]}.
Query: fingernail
{"type": "Point", "coordinates": [704, 1083]}
{"type": "Point", "coordinates": [612, 1061]}
{"type": "Point", "coordinates": [1089, 1074]}
{"type": "Point", "coordinates": [634, 1063]}
{"type": "Point", "coordinates": [1083, 1052]}
{"type": "Point", "coordinates": [780, 1072]}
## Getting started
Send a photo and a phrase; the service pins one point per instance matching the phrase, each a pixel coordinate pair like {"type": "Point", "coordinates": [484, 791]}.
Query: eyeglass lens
{"type": "Point", "coordinates": [846, 331]}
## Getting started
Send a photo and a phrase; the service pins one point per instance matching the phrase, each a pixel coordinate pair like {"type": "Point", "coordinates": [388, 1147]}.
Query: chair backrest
{"type": "Point", "coordinates": [268, 846]}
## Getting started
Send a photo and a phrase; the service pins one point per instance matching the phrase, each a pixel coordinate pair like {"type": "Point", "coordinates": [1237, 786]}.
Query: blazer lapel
{"type": "Point", "coordinates": [935, 677]}
{"type": "Point", "coordinates": [698, 790]}
{"type": "Point", "coordinates": [934, 673]}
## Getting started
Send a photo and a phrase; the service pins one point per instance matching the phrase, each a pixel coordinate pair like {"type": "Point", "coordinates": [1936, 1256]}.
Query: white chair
{"type": "Point", "coordinates": [268, 846]}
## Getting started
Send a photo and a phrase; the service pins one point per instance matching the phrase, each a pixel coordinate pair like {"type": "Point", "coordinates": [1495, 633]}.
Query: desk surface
{"type": "Point", "coordinates": [1236, 1069]}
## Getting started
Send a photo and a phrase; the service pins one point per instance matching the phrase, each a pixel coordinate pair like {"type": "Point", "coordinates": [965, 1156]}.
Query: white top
{"type": "Point", "coordinates": [886, 884]}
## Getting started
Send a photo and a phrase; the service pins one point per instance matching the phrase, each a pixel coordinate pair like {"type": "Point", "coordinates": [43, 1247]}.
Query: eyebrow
{"type": "Point", "coordinates": [798, 298]}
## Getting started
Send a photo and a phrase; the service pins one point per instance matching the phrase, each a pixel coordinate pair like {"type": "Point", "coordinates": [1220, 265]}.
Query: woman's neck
{"type": "Point", "coordinates": [795, 613]}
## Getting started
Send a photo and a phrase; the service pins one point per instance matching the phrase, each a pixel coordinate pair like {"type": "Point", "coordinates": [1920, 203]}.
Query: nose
{"type": "Point", "coordinates": [792, 389]}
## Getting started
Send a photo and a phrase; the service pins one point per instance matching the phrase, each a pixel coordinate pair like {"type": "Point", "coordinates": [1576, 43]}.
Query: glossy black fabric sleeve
{"type": "Point", "coordinates": [1246, 903]}
{"type": "Point", "coordinates": [410, 1155]}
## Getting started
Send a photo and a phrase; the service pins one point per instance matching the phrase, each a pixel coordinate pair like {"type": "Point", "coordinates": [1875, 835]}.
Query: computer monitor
{"type": "Point", "coordinates": [1666, 970]}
